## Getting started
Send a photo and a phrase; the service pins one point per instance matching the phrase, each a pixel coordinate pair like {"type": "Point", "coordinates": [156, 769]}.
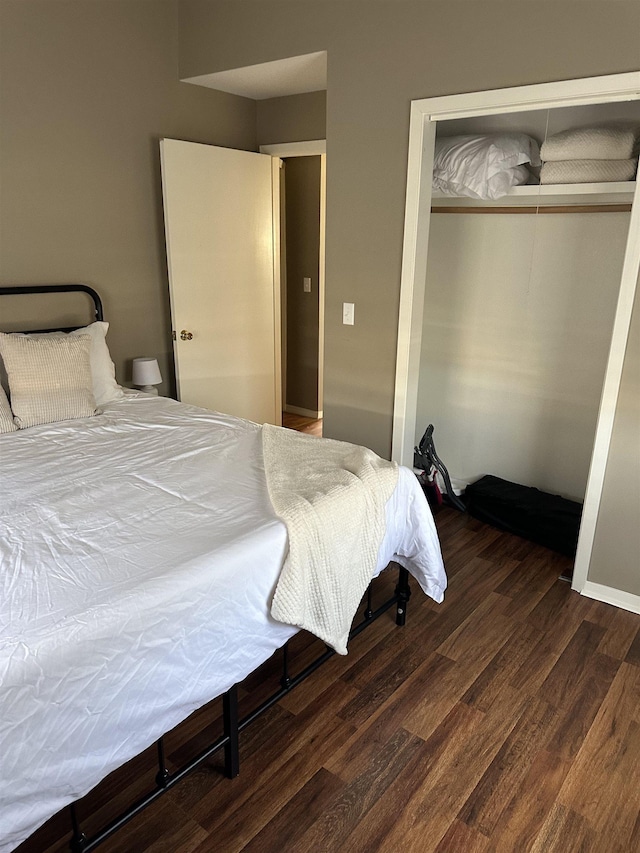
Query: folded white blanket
{"type": "Point", "coordinates": [332, 497]}
{"type": "Point", "coordinates": [590, 143]}
{"type": "Point", "coordinates": [587, 171]}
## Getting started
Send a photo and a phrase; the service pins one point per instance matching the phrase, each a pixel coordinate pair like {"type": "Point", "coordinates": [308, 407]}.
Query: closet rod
{"type": "Point", "coordinates": [559, 208]}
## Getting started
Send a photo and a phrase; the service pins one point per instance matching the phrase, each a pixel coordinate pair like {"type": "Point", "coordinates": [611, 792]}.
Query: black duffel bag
{"type": "Point", "coordinates": [547, 519]}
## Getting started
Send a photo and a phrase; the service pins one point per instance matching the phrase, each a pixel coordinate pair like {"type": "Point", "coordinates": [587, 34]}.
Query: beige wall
{"type": "Point", "coordinates": [87, 89]}
{"type": "Point", "coordinates": [302, 206]}
{"type": "Point", "coordinates": [296, 118]}
{"type": "Point", "coordinates": [615, 559]}
{"type": "Point", "coordinates": [381, 55]}
{"type": "Point", "coordinates": [518, 317]}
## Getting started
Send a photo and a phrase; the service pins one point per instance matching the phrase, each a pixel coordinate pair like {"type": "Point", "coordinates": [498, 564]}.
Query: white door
{"type": "Point", "coordinates": [225, 299]}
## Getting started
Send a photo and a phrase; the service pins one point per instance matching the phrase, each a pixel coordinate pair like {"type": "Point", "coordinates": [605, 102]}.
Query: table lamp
{"type": "Point", "coordinates": [146, 374]}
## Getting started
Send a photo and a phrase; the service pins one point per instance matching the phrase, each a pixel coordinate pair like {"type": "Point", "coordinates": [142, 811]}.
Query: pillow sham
{"type": "Point", "coordinates": [485, 166]}
{"type": "Point", "coordinates": [103, 370]}
{"type": "Point", "coordinates": [49, 378]}
{"type": "Point", "coordinates": [6, 415]}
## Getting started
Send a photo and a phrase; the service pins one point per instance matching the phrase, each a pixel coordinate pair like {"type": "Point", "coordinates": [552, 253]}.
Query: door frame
{"type": "Point", "coordinates": [309, 148]}
{"type": "Point", "coordinates": [425, 114]}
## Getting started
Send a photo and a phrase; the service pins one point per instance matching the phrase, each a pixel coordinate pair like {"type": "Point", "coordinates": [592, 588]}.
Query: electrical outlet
{"type": "Point", "coordinates": [306, 284]}
{"type": "Point", "coordinates": [348, 313]}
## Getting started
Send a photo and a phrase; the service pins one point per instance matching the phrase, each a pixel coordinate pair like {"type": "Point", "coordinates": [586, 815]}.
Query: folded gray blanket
{"type": "Point", "coordinates": [591, 143]}
{"type": "Point", "coordinates": [588, 171]}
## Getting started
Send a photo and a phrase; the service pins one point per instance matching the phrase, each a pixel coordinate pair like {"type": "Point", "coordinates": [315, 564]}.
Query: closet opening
{"type": "Point", "coordinates": [515, 310]}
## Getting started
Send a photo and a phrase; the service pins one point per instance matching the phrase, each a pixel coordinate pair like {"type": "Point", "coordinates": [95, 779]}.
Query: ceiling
{"type": "Point", "coordinates": [292, 76]}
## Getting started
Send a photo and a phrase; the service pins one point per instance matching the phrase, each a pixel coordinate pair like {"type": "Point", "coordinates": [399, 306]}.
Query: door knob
{"type": "Point", "coordinates": [186, 336]}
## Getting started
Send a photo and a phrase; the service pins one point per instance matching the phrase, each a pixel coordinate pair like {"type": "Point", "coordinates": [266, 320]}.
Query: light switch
{"type": "Point", "coordinates": [348, 313]}
{"type": "Point", "coordinates": [306, 284]}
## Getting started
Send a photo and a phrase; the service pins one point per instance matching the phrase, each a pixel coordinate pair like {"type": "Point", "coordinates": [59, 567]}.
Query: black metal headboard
{"type": "Point", "coordinates": [17, 290]}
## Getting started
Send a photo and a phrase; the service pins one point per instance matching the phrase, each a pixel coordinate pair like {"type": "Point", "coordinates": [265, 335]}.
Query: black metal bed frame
{"type": "Point", "coordinates": [232, 724]}
{"type": "Point", "coordinates": [22, 290]}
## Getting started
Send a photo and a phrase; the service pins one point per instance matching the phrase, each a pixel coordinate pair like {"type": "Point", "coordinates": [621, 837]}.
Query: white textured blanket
{"type": "Point", "coordinates": [590, 143]}
{"type": "Point", "coordinates": [332, 497]}
{"type": "Point", "coordinates": [587, 171]}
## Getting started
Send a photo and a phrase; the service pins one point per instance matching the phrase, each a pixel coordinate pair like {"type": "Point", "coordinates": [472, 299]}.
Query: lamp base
{"type": "Point", "coordinates": [148, 389]}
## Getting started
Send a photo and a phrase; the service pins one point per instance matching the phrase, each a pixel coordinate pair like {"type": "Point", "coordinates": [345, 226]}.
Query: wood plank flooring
{"type": "Point", "coordinates": [506, 719]}
{"type": "Point", "coordinates": [300, 423]}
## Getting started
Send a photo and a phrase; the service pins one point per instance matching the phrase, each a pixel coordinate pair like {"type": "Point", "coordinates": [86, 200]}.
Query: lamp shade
{"type": "Point", "coordinates": [146, 371]}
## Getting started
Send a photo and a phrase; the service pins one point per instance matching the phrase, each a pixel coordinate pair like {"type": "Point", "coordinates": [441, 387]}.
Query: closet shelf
{"type": "Point", "coordinates": [547, 195]}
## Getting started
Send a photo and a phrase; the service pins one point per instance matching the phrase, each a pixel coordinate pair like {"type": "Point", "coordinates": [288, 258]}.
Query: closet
{"type": "Point", "coordinates": [515, 311]}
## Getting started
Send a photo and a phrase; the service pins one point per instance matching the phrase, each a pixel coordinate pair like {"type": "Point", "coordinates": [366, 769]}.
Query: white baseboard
{"type": "Point", "coordinates": [306, 413]}
{"type": "Point", "coordinates": [617, 597]}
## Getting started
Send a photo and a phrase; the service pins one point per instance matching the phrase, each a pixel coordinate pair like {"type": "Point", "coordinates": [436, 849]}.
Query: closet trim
{"type": "Point", "coordinates": [425, 114]}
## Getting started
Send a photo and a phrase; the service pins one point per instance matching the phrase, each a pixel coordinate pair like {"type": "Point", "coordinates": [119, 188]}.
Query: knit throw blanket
{"type": "Point", "coordinates": [587, 171]}
{"type": "Point", "coordinates": [591, 143]}
{"type": "Point", "coordinates": [332, 496]}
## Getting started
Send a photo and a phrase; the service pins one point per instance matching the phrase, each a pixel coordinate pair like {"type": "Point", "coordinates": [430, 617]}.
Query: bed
{"type": "Point", "coordinates": [139, 558]}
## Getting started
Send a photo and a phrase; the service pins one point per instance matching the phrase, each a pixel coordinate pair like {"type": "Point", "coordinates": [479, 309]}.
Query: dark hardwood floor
{"type": "Point", "coordinates": [506, 719]}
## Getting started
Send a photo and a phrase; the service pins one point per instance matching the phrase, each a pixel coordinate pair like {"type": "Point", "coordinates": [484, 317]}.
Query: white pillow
{"type": "Point", "coordinates": [49, 378]}
{"type": "Point", "coordinates": [6, 415]}
{"type": "Point", "coordinates": [484, 166]}
{"type": "Point", "coordinates": [103, 370]}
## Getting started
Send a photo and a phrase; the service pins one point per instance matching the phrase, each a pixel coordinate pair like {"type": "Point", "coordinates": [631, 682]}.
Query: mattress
{"type": "Point", "coordinates": [138, 560]}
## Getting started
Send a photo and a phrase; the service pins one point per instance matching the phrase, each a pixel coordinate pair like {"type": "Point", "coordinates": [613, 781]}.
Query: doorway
{"type": "Point", "coordinates": [302, 250]}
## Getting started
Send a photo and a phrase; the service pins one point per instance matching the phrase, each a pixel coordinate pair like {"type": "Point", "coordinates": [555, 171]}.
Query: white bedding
{"type": "Point", "coordinates": [138, 558]}
{"type": "Point", "coordinates": [483, 166]}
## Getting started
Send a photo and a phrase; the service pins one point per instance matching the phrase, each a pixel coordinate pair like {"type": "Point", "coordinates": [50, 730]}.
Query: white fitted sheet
{"type": "Point", "coordinates": [138, 558]}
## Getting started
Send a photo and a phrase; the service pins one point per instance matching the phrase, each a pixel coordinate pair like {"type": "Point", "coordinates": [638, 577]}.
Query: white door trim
{"type": "Point", "coordinates": [277, 296]}
{"type": "Point", "coordinates": [296, 149]}
{"type": "Point", "coordinates": [425, 114]}
{"type": "Point", "coordinates": [321, 278]}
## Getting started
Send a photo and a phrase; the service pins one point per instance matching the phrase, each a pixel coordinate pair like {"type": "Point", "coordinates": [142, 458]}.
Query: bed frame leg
{"type": "Point", "coordinates": [285, 681]}
{"type": "Point", "coordinates": [232, 746]}
{"type": "Point", "coordinates": [368, 613]}
{"type": "Point", "coordinates": [162, 776]}
{"type": "Point", "coordinates": [403, 593]}
{"type": "Point", "coordinates": [78, 839]}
